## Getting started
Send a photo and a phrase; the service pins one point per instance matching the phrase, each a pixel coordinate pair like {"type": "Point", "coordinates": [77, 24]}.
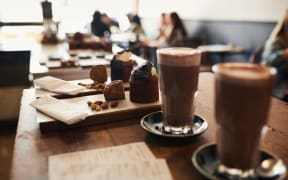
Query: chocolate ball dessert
{"type": "Point", "coordinates": [121, 66]}
{"type": "Point", "coordinates": [114, 91]}
{"type": "Point", "coordinates": [144, 84]}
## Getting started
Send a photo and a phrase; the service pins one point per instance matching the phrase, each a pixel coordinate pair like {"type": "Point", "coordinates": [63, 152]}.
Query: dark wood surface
{"type": "Point", "coordinates": [32, 149]}
{"type": "Point", "coordinates": [68, 74]}
{"type": "Point", "coordinates": [124, 110]}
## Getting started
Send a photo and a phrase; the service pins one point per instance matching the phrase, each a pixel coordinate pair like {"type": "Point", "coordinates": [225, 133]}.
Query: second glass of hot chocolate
{"type": "Point", "coordinates": [242, 100]}
{"type": "Point", "coordinates": [178, 77]}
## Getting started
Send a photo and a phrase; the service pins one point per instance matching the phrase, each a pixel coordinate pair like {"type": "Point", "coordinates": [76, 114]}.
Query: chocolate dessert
{"type": "Point", "coordinates": [114, 91]}
{"type": "Point", "coordinates": [68, 63]}
{"type": "Point", "coordinates": [144, 84]}
{"type": "Point", "coordinates": [98, 73]}
{"type": "Point", "coordinates": [121, 66]}
{"type": "Point", "coordinates": [79, 41]}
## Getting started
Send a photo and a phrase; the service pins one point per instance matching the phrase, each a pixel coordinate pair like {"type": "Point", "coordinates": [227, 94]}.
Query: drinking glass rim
{"type": "Point", "coordinates": [186, 51]}
{"type": "Point", "coordinates": [216, 68]}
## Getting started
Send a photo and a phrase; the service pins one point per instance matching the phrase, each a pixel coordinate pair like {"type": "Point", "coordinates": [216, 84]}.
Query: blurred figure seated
{"type": "Point", "coordinates": [173, 35]}
{"type": "Point", "coordinates": [163, 24]}
{"type": "Point", "coordinates": [112, 23]}
{"type": "Point", "coordinates": [276, 54]}
{"type": "Point", "coordinates": [98, 27]}
{"type": "Point", "coordinates": [136, 25]}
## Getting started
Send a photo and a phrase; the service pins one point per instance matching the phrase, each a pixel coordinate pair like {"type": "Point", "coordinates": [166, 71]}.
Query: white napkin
{"type": "Point", "coordinates": [59, 110]}
{"type": "Point", "coordinates": [56, 85]}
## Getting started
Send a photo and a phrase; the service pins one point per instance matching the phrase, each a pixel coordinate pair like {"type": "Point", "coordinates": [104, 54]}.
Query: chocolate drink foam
{"type": "Point", "coordinates": [179, 56]}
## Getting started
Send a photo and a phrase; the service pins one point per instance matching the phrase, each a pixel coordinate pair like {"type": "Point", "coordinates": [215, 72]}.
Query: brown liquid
{"type": "Point", "coordinates": [178, 86]}
{"type": "Point", "coordinates": [241, 112]}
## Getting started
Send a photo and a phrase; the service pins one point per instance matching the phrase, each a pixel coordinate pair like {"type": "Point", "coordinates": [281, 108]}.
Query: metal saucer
{"type": "Point", "coordinates": [152, 123]}
{"type": "Point", "coordinates": [205, 159]}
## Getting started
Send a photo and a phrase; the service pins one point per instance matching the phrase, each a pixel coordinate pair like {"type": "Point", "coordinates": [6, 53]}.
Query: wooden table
{"type": "Point", "coordinates": [218, 49]}
{"type": "Point", "coordinates": [32, 149]}
{"type": "Point", "coordinates": [42, 53]}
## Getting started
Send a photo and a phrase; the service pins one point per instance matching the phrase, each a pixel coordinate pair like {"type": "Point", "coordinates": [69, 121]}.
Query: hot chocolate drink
{"type": "Point", "coordinates": [178, 71]}
{"type": "Point", "coordinates": [242, 104]}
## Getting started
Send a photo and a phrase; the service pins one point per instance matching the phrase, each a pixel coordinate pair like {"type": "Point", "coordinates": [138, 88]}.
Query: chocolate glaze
{"type": "Point", "coordinates": [121, 70]}
{"type": "Point", "coordinates": [142, 72]}
{"type": "Point", "coordinates": [144, 84]}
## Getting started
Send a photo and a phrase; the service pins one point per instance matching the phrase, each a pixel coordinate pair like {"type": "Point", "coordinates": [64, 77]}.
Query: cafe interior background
{"type": "Point", "coordinates": [242, 23]}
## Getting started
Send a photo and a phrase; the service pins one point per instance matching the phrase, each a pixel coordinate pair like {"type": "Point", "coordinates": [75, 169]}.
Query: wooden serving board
{"type": "Point", "coordinates": [125, 110]}
{"type": "Point", "coordinates": [41, 92]}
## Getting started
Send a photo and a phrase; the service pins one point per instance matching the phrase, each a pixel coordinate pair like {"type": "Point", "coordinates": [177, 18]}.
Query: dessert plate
{"type": "Point", "coordinates": [153, 124]}
{"type": "Point", "coordinates": [205, 159]}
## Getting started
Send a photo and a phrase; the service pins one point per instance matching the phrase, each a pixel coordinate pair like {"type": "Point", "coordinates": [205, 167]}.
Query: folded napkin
{"type": "Point", "coordinates": [59, 110]}
{"type": "Point", "coordinates": [56, 85]}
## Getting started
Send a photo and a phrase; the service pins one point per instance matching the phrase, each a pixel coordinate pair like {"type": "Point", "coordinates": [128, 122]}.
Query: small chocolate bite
{"type": "Point", "coordinates": [143, 72]}
{"type": "Point", "coordinates": [114, 91]}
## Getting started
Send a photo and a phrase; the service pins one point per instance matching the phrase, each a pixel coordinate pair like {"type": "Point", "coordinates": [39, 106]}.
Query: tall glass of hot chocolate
{"type": "Point", "coordinates": [243, 93]}
{"type": "Point", "coordinates": [178, 79]}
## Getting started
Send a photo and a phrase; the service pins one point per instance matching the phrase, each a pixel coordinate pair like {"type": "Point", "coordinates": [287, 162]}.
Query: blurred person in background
{"type": "Point", "coordinates": [276, 54]}
{"type": "Point", "coordinates": [163, 24]}
{"type": "Point", "coordinates": [98, 27]}
{"type": "Point", "coordinates": [178, 32]}
{"type": "Point", "coordinates": [173, 35]}
{"type": "Point", "coordinates": [136, 25]}
{"type": "Point", "coordinates": [112, 23]}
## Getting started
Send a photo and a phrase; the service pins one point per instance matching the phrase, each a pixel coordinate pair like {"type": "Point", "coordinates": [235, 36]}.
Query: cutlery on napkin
{"type": "Point", "coordinates": [57, 85]}
{"type": "Point", "coordinates": [59, 110]}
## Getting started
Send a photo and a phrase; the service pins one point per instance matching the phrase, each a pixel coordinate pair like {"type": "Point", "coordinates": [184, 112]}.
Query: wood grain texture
{"type": "Point", "coordinates": [67, 74]}
{"type": "Point", "coordinates": [125, 110]}
{"type": "Point", "coordinates": [40, 92]}
{"type": "Point", "coordinates": [32, 149]}
{"type": "Point", "coordinates": [278, 117]}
